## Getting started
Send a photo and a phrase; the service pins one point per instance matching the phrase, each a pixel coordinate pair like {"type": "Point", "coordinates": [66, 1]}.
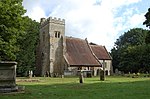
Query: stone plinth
{"type": "Point", "coordinates": [8, 76]}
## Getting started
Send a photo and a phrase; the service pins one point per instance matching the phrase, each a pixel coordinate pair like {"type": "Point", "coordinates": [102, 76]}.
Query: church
{"type": "Point", "coordinates": [58, 54]}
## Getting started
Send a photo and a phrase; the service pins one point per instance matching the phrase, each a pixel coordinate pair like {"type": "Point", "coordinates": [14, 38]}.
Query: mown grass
{"type": "Point", "coordinates": [92, 88]}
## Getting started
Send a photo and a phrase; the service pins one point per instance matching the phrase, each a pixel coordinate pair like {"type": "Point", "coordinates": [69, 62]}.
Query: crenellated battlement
{"type": "Point", "coordinates": [52, 20]}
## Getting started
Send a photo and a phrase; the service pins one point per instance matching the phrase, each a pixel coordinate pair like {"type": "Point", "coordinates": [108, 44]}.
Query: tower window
{"type": "Point", "coordinates": [57, 34]}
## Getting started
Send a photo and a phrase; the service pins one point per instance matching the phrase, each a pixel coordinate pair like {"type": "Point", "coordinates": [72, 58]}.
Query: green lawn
{"type": "Point", "coordinates": [92, 88]}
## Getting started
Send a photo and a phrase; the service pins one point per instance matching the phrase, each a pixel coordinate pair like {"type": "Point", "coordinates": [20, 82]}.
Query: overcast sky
{"type": "Point", "coordinates": [100, 21]}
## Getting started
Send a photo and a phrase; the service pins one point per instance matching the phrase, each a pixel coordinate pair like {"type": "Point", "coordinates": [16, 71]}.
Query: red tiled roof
{"type": "Point", "coordinates": [78, 53]}
{"type": "Point", "coordinates": [100, 52]}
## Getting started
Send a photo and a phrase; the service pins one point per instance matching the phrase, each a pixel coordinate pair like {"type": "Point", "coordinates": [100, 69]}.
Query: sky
{"type": "Point", "coordinates": [100, 21]}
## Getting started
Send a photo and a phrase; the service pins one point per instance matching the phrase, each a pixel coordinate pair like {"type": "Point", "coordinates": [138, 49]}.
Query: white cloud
{"type": "Point", "coordinates": [37, 13]}
{"type": "Point", "coordinates": [136, 19]}
{"type": "Point", "coordinates": [94, 19]}
{"type": "Point", "coordinates": [34, 11]}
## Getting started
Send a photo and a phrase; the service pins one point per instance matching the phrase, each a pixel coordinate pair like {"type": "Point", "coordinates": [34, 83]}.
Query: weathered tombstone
{"type": "Point", "coordinates": [102, 72]}
{"type": "Point", "coordinates": [116, 71]}
{"type": "Point", "coordinates": [119, 73]}
{"type": "Point", "coordinates": [8, 77]}
{"type": "Point", "coordinates": [30, 73]}
{"type": "Point", "coordinates": [81, 76]}
{"type": "Point", "coordinates": [62, 76]}
{"type": "Point", "coordinates": [102, 75]}
{"type": "Point", "coordinates": [129, 74]}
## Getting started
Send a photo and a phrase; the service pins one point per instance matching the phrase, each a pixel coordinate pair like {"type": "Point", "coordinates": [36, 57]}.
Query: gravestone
{"type": "Point", "coordinates": [30, 73]}
{"type": "Point", "coordinates": [102, 75]}
{"type": "Point", "coordinates": [81, 77]}
{"type": "Point", "coordinates": [8, 77]}
{"type": "Point", "coordinates": [116, 71]}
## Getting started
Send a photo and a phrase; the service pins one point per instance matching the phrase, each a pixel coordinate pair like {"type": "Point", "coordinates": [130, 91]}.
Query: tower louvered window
{"type": "Point", "coordinates": [57, 34]}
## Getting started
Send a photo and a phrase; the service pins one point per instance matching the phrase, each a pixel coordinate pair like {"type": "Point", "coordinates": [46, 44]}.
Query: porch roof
{"type": "Point", "coordinates": [100, 52]}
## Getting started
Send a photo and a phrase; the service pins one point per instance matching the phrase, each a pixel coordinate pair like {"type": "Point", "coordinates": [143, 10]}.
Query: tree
{"type": "Point", "coordinates": [10, 27]}
{"type": "Point", "coordinates": [132, 37]}
{"type": "Point", "coordinates": [129, 51]}
{"type": "Point", "coordinates": [147, 16]}
{"type": "Point", "coordinates": [28, 41]}
{"type": "Point", "coordinates": [147, 23]}
{"type": "Point", "coordinates": [18, 35]}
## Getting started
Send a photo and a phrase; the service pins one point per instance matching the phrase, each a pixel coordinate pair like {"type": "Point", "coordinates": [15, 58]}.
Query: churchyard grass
{"type": "Point", "coordinates": [92, 88]}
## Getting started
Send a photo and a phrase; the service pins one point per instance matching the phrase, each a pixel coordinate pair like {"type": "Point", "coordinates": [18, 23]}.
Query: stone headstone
{"type": "Point", "coordinates": [116, 71]}
{"type": "Point", "coordinates": [102, 75]}
{"type": "Point", "coordinates": [30, 73]}
{"type": "Point", "coordinates": [81, 77]}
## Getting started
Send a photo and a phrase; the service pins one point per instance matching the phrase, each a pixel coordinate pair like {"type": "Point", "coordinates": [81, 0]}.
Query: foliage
{"type": "Point", "coordinates": [18, 35]}
{"type": "Point", "coordinates": [28, 41]}
{"type": "Point", "coordinates": [132, 37]}
{"type": "Point", "coordinates": [130, 53]}
{"type": "Point", "coordinates": [147, 39]}
{"type": "Point", "coordinates": [147, 16]}
{"type": "Point", "coordinates": [147, 23]}
{"type": "Point", "coordinates": [10, 27]}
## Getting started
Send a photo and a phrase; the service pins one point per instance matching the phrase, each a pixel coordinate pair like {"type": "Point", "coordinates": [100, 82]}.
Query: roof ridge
{"type": "Point", "coordinates": [73, 37]}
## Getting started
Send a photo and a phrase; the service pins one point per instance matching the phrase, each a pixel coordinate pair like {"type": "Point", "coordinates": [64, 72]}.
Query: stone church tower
{"type": "Point", "coordinates": [51, 46]}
